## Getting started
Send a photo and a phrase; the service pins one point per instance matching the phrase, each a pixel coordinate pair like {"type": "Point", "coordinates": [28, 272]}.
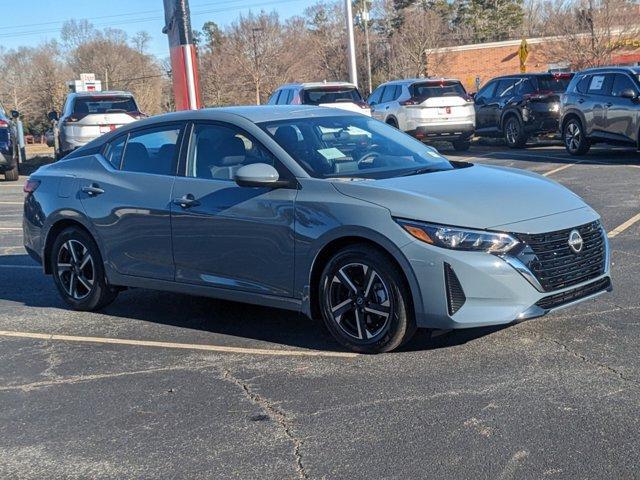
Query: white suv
{"type": "Point", "coordinates": [427, 108]}
{"type": "Point", "coordinates": [343, 95]}
{"type": "Point", "coordinates": [87, 115]}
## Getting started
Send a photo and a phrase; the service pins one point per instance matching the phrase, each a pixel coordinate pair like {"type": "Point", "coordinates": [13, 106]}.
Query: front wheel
{"type": "Point", "coordinates": [514, 134]}
{"type": "Point", "coordinates": [365, 301]}
{"type": "Point", "coordinates": [78, 271]}
{"type": "Point", "coordinates": [573, 137]}
{"type": "Point", "coordinates": [461, 145]}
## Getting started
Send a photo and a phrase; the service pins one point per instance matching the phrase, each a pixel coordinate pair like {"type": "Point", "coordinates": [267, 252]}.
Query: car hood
{"type": "Point", "coordinates": [483, 197]}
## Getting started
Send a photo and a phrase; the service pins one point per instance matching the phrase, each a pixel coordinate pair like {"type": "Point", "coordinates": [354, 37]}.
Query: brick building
{"type": "Point", "coordinates": [481, 62]}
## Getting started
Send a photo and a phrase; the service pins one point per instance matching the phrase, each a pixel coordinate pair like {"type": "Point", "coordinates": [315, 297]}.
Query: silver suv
{"type": "Point", "coordinates": [427, 108]}
{"type": "Point", "coordinates": [601, 105]}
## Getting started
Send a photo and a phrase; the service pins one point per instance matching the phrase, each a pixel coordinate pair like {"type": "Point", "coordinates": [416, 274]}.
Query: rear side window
{"type": "Point", "coordinates": [598, 85]}
{"type": "Point", "coordinates": [104, 104]}
{"type": "Point", "coordinates": [152, 151]}
{"type": "Point", "coordinates": [506, 88]}
{"type": "Point", "coordinates": [426, 90]}
{"type": "Point", "coordinates": [391, 92]}
{"type": "Point", "coordinates": [317, 96]}
{"type": "Point", "coordinates": [524, 87]}
{"type": "Point", "coordinates": [113, 152]}
{"type": "Point", "coordinates": [285, 97]}
{"type": "Point", "coordinates": [274, 97]}
{"type": "Point", "coordinates": [554, 83]}
{"type": "Point", "coordinates": [622, 82]}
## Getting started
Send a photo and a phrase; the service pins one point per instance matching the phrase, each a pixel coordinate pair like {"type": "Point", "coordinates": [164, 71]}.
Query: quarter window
{"type": "Point", "coordinates": [152, 151]}
{"type": "Point", "coordinates": [114, 150]}
{"type": "Point", "coordinates": [216, 152]}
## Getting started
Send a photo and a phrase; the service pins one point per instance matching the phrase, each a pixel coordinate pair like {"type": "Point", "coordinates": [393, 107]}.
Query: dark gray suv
{"type": "Point", "coordinates": [601, 105]}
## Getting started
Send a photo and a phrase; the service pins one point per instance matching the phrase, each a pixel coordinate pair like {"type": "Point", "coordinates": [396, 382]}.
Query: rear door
{"type": "Point", "coordinates": [228, 236]}
{"type": "Point", "coordinates": [622, 112]}
{"type": "Point", "coordinates": [128, 199]}
{"type": "Point", "coordinates": [595, 106]}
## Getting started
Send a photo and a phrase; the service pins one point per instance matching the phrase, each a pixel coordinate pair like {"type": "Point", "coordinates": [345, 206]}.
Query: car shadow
{"type": "Point", "coordinates": [226, 319]}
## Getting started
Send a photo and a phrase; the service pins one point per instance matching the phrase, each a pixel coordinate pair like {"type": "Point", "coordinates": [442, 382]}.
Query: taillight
{"type": "Point", "coordinates": [31, 186]}
{"type": "Point", "coordinates": [4, 123]}
{"type": "Point", "coordinates": [137, 115]}
{"type": "Point", "coordinates": [411, 101]}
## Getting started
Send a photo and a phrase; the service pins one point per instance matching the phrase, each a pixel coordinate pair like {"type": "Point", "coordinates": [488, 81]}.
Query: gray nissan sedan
{"type": "Point", "coordinates": [330, 213]}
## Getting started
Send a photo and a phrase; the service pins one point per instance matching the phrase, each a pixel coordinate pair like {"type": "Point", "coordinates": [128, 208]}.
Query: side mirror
{"type": "Point", "coordinates": [629, 93]}
{"type": "Point", "coordinates": [15, 114]}
{"type": "Point", "coordinates": [53, 116]}
{"type": "Point", "coordinates": [259, 175]}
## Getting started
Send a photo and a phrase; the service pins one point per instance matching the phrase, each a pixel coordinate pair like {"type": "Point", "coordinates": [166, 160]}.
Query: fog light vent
{"type": "Point", "coordinates": [455, 294]}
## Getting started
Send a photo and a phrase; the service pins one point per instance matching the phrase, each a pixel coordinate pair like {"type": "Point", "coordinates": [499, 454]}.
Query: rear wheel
{"type": "Point", "coordinates": [78, 271]}
{"type": "Point", "coordinates": [574, 139]}
{"type": "Point", "coordinates": [461, 145]}
{"type": "Point", "coordinates": [13, 174]}
{"type": "Point", "coordinates": [514, 134]}
{"type": "Point", "coordinates": [365, 302]}
{"type": "Point", "coordinates": [393, 122]}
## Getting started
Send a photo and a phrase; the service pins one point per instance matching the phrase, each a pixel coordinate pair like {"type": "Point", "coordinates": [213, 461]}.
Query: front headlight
{"type": "Point", "coordinates": [456, 238]}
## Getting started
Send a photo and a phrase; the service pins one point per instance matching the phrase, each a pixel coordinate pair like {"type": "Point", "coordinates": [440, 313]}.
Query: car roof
{"type": "Point", "coordinates": [411, 81]}
{"type": "Point", "coordinates": [106, 93]}
{"type": "Point", "coordinates": [305, 85]}
{"type": "Point", "coordinates": [627, 69]}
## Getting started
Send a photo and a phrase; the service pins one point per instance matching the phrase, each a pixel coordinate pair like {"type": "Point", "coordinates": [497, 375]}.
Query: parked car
{"type": "Point", "coordinates": [602, 105]}
{"type": "Point", "coordinates": [87, 115]}
{"type": "Point", "coordinates": [343, 95]}
{"type": "Point", "coordinates": [9, 156]}
{"type": "Point", "coordinates": [49, 138]}
{"type": "Point", "coordinates": [518, 107]}
{"type": "Point", "coordinates": [316, 210]}
{"type": "Point", "coordinates": [427, 109]}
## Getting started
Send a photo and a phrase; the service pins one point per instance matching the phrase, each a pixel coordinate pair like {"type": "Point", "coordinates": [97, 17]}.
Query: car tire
{"type": "Point", "coordinates": [13, 174]}
{"type": "Point", "coordinates": [78, 271]}
{"type": "Point", "coordinates": [392, 122]}
{"type": "Point", "coordinates": [513, 131]}
{"type": "Point", "coordinates": [574, 139]}
{"type": "Point", "coordinates": [365, 301]}
{"type": "Point", "coordinates": [461, 145]}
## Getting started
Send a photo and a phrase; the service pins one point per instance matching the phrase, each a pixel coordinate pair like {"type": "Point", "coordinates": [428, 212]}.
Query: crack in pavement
{"type": "Point", "coordinates": [26, 387]}
{"type": "Point", "coordinates": [274, 414]}
{"type": "Point", "coordinates": [585, 359]}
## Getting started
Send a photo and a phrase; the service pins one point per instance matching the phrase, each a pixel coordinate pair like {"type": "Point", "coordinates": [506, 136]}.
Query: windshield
{"type": "Point", "coordinates": [104, 104]}
{"type": "Point", "coordinates": [316, 96]}
{"type": "Point", "coordinates": [438, 89]}
{"type": "Point", "coordinates": [353, 146]}
{"type": "Point", "coordinates": [554, 83]}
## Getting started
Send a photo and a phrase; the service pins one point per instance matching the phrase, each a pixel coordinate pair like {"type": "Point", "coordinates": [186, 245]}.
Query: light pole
{"type": "Point", "coordinates": [255, 62]}
{"type": "Point", "coordinates": [351, 46]}
{"type": "Point", "coordinates": [365, 19]}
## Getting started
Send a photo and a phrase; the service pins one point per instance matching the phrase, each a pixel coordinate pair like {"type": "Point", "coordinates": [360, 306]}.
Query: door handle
{"type": "Point", "coordinates": [93, 190]}
{"type": "Point", "coordinates": [186, 201]}
{"type": "Point", "coordinates": [581, 100]}
{"type": "Point", "coordinates": [609, 104]}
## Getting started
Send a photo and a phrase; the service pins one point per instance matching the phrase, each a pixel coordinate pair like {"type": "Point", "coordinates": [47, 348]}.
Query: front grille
{"type": "Point", "coordinates": [556, 265]}
{"type": "Point", "coordinates": [553, 301]}
{"type": "Point", "coordinates": [455, 294]}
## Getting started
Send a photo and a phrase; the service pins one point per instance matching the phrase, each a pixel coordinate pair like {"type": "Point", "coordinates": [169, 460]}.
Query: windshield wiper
{"type": "Point", "coordinates": [420, 171]}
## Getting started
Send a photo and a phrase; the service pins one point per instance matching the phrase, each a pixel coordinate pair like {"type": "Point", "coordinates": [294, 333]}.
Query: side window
{"type": "Point", "coordinates": [389, 94]}
{"type": "Point", "coordinates": [375, 96]}
{"type": "Point", "coordinates": [274, 97]}
{"type": "Point", "coordinates": [216, 152]}
{"type": "Point", "coordinates": [152, 151]}
{"type": "Point", "coordinates": [282, 98]}
{"type": "Point", "coordinates": [622, 82]}
{"type": "Point", "coordinates": [113, 151]}
{"type": "Point", "coordinates": [583, 84]}
{"type": "Point", "coordinates": [597, 85]}
{"type": "Point", "coordinates": [487, 91]}
{"type": "Point", "coordinates": [506, 88]}
{"type": "Point", "coordinates": [524, 87]}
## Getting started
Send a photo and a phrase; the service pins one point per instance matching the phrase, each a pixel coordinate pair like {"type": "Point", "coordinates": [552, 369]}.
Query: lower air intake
{"type": "Point", "coordinates": [455, 294]}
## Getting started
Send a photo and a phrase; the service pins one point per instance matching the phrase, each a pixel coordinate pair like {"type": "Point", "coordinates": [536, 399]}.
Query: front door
{"type": "Point", "coordinates": [225, 235]}
{"type": "Point", "coordinates": [129, 200]}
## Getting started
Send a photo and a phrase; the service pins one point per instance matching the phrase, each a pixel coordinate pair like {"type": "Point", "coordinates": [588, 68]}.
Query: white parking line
{"type": "Point", "coordinates": [11, 229]}
{"type": "Point", "coordinates": [559, 169]}
{"type": "Point", "coordinates": [182, 346]}
{"type": "Point", "coordinates": [621, 228]}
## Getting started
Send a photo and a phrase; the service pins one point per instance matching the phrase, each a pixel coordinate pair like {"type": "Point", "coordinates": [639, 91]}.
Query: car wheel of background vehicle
{"type": "Point", "coordinates": [12, 175]}
{"type": "Point", "coordinates": [573, 137]}
{"type": "Point", "coordinates": [392, 122]}
{"type": "Point", "coordinates": [461, 145]}
{"type": "Point", "coordinates": [78, 271]}
{"type": "Point", "coordinates": [513, 131]}
{"type": "Point", "coordinates": [364, 301]}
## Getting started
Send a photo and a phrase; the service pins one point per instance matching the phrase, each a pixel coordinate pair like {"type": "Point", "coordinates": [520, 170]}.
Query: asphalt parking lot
{"type": "Point", "coordinates": [163, 385]}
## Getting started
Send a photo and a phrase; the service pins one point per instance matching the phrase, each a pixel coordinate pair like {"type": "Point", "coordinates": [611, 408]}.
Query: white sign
{"type": "Point", "coordinates": [88, 77]}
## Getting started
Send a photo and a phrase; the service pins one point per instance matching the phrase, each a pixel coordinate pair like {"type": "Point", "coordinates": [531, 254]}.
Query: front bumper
{"type": "Point", "coordinates": [495, 293]}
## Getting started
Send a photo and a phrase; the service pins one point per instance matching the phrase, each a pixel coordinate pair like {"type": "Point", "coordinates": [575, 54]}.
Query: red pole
{"type": "Point", "coordinates": [184, 65]}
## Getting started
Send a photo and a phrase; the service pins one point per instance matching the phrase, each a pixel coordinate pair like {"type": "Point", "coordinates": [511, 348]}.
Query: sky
{"type": "Point", "coordinates": [28, 23]}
